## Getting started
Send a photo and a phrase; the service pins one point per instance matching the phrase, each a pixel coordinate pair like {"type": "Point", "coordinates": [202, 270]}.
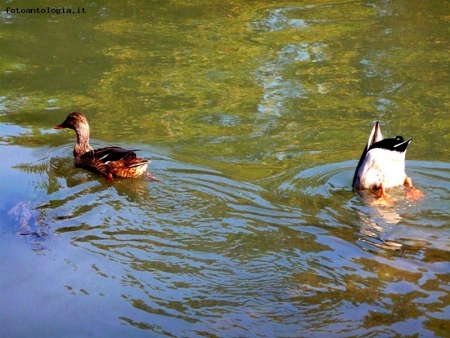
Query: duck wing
{"type": "Point", "coordinates": [110, 154]}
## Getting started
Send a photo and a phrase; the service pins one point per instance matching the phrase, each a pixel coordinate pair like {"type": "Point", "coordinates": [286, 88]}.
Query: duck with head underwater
{"type": "Point", "coordinates": [382, 165]}
{"type": "Point", "coordinates": [109, 161]}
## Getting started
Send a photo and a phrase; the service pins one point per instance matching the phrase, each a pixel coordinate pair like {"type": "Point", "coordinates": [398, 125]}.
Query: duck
{"type": "Point", "coordinates": [382, 164]}
{"type": "Point", "coordinates": [111, 162]}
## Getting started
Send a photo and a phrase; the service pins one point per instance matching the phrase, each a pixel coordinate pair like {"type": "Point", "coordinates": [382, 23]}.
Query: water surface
{"type": "Point", "coordinates": [254, 115]}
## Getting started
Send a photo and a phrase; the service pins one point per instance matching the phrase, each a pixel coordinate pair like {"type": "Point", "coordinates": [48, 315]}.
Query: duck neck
{"type": "Point", "coordinates": [82, 145]}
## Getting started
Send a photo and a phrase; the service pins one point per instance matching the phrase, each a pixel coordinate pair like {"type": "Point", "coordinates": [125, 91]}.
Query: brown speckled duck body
{"type": "Point", "coordinates": [109, 161]}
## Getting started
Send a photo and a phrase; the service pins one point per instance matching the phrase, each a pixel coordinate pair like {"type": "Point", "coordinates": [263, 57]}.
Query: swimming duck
{"type": "Point", "coordinates": [110, 161]}
{"type": "Point", "coordinates": [382, 163]}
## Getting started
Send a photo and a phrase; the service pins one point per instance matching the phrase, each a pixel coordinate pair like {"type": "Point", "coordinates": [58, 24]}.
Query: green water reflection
{"type": "Point", "coordinates": [254, 113]}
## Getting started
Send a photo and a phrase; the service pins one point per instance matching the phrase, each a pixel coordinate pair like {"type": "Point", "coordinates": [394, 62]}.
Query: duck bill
{"type": "Point", "coordinates": [375, 136]}
{"type": "Point", "coordinates": [59, 126]}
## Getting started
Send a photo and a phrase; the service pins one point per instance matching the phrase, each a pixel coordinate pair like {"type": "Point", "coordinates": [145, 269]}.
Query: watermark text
{"type": "Point", "coordinates": [46, 10]}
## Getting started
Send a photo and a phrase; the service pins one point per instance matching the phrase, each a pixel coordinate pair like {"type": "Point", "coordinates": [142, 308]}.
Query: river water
{"type": "Point", "coordinates": [254, 114]}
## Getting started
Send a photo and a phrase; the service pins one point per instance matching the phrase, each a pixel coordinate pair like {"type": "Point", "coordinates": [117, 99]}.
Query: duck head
{"type": "Point", "coordinates": [75, 121]}
{"type": "Point", "coordinates": [382, 162]}
{"type": "Point", "coordinates": [78, 122]}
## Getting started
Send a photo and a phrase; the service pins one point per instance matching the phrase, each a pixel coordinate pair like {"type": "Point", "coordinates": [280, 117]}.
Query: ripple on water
{"type": "Point", "coordinates": [211, 255]}
{"type": "Point", "coordinates": [197, 233]}
{"type": "Point", "coordinates": [327, 199]}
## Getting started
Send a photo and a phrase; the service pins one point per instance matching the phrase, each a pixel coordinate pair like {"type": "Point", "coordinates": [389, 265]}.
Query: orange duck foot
{"type": "Point", "coordinates": [382, 190]}
{"type": "Point", "coordinates": [151, 177]}
{"type": "Point", "coordinates": [408, 182]}
{"type": "Point", "coordinates": [412, 193]}
{"type": "Point", "coordinates": [382, 198]}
